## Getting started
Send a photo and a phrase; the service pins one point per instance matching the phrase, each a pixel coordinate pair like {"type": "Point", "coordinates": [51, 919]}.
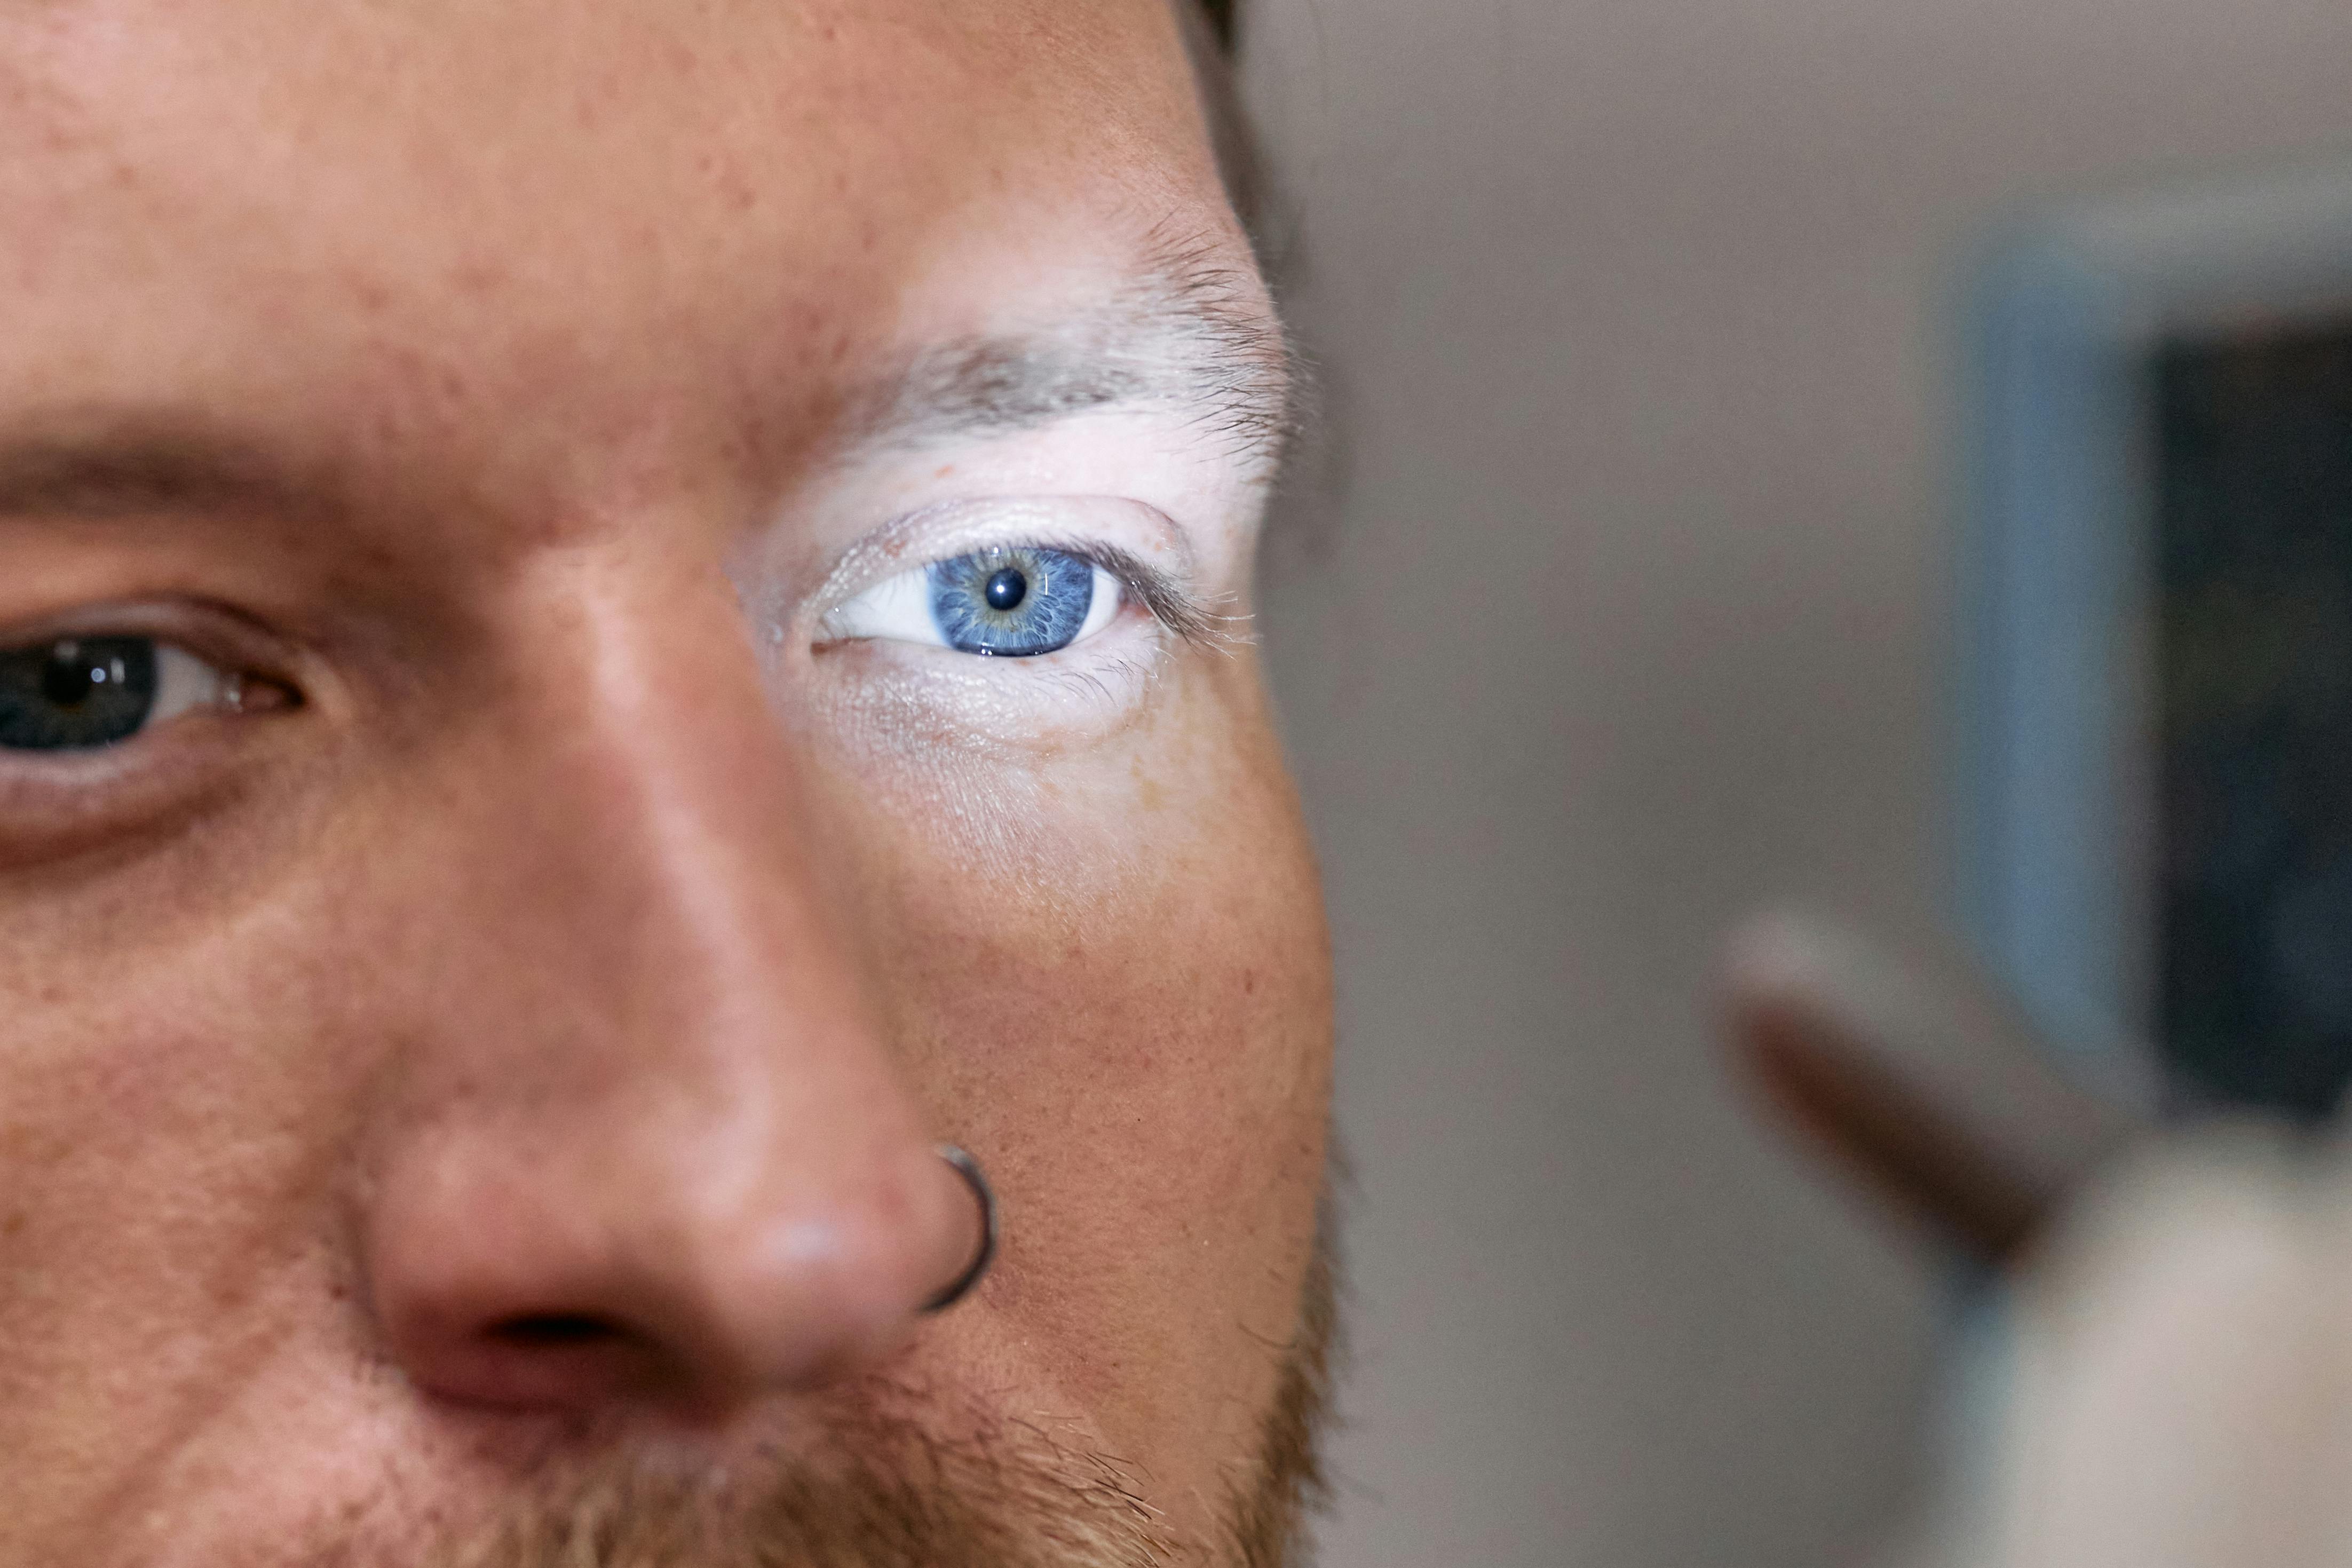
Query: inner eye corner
{"type": "Point", "coordinates": [250, 692]}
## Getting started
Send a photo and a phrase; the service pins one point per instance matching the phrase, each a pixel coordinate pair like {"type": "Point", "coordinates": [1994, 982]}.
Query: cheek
{"type": "Point", "coordinates": [1135, 1032]}
{"type": "Point", "coordinates": [164, 1153]}
{"type": "Point", "coordinates": [1147, 923]}
{"type": "Point", "coordinates": [181, 1073]}
{"type": "Point", "coordinates": [153, 1071]}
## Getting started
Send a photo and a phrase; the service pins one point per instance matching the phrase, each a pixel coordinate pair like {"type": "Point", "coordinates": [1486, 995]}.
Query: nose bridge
{"type": "Point", "coordinates": [635, 837]}
{"type": "Point", "coordinates": [681, 789]}
{"type": "Point", "coordinates": [661, 1110]}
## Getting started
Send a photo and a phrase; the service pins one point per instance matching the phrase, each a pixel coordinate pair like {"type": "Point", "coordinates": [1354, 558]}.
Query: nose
{"type": "Point", "coordinates": [642, 1139]}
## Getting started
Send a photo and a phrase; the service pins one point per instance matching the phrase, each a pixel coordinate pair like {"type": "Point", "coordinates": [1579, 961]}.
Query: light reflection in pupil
{"type": "Point", "coordinates": [1006, 589]}
{"type": "Point", "coordinates": [69, 676]}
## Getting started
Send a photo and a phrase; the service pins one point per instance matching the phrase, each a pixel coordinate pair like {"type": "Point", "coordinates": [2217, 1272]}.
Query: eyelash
{"type": "Point", "coordinates": [1181, 613]}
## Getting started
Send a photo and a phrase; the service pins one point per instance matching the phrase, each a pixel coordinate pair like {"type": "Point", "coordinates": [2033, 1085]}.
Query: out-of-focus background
{"type": "Point", "coordinates": [1627, 609]}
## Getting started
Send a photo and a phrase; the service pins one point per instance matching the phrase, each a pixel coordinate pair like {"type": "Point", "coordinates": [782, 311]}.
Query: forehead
{"type": "Point", "coordinates": [586, 214]}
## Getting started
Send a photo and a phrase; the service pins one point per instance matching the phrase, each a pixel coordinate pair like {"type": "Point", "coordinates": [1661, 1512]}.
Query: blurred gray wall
{"type": "Point", "coordinates": [1630, 613]}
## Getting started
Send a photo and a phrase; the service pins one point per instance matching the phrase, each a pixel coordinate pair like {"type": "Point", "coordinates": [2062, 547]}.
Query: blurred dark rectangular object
{"type": "Point", "coordinates": [2157, 845]}
{"type": "Point", "coordinates": [2254, 844]}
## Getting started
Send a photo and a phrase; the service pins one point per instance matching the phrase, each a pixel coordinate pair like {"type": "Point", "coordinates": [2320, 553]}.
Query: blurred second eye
{"type": "Point", "coordinates": [77, 694]}
{"type": "Point", "coordinates": [1007, 601]}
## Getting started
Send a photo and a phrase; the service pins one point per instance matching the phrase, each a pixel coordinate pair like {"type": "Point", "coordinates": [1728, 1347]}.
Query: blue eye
{"type": "Point", "coordinates": [998, 603]}
{"type": "Point", "coordinates": [1007, 601]}
{"type": "Point", "coordinates": [1011, 601]}
{"type": "Point", "coordinates": [77, 694]}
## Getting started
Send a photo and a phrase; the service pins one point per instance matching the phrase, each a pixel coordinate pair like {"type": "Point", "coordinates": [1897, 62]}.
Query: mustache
{"type": "Point", "coordinates": [880, 1488]}
{"type": "Point", "coordinates": [897, 1500]}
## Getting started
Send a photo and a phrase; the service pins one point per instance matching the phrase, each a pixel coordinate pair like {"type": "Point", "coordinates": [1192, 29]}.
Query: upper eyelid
{"type": "Point", "coordinates": [947, 530]}
{"type": "Point", "coordinates": [212, 631]}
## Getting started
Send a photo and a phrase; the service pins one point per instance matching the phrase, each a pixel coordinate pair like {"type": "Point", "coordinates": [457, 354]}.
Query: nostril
{"type": "Point", "coordinates": [557, 1331]}
{"type": "Point", "coordinates": [546, 1359]}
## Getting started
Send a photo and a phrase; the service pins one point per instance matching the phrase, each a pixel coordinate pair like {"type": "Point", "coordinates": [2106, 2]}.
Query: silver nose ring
{"type": "Point", "coordinates": [964, 1165]}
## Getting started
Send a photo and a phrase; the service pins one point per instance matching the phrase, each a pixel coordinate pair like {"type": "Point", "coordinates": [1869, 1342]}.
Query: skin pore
{"type": "Point", "coordinates": [473, 1060]}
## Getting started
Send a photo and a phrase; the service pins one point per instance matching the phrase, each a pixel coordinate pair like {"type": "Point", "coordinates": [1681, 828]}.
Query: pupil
{"type": "Point", "coordinates": [67, 676]}
{"type": "Point", "coordinates": [1006, 589]}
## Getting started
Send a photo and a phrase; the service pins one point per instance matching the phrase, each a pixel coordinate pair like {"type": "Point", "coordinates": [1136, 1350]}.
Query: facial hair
{"type": "Point", "coordinates": [889, 1494]}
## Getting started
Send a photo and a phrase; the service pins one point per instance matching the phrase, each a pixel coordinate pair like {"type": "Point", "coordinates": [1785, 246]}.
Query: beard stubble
{"type": "Point", "coordinates": [895, 1495]}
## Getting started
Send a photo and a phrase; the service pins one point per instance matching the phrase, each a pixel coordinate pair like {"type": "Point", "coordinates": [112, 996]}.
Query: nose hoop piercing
{"type": "Point", "coordinates": [964, 1165]}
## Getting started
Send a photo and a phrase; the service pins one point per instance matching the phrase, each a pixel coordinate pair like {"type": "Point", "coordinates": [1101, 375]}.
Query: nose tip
{"type": "Point", "coordinates": [491, 1290]}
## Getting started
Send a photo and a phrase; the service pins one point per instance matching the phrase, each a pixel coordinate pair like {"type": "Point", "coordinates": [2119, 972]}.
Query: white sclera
{"type": "Point", "coordinates": [184, 683]}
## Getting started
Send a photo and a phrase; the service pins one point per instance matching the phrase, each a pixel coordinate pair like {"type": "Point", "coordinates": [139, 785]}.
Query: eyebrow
{"type": "Point", "coordinates": [111, 467]}
{"type": "Point", "coordinates": [1190, 335]}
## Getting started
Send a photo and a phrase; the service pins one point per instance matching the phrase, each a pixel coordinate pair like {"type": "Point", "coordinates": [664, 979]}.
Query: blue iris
{"type": "Point", "coordinates": [75, 694]}
{"type": "Point", "coordinates": [1012, 601]}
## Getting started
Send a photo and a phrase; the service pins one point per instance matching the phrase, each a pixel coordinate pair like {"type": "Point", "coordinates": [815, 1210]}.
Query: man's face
{"type": "Point", "coordinates": [617, 617]}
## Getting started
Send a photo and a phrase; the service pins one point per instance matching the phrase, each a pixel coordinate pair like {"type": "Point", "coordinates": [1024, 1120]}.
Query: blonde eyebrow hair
{"type": "Point", "coordinates": [1191, 332]}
